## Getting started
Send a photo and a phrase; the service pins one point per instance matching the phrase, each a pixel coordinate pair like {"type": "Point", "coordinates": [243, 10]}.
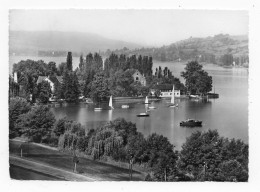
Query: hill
{"type": "Point", "coordinates": [32, 42]}
{"type": "Point", "coordinates": [219, 49]}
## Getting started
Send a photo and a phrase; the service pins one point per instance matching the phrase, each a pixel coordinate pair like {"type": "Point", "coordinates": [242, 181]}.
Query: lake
{"type": "Point", "coordinates": [228, 114]}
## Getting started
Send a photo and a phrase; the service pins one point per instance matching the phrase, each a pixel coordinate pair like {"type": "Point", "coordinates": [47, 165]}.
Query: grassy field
{"type": "Point", "coordinates": [63, 161]}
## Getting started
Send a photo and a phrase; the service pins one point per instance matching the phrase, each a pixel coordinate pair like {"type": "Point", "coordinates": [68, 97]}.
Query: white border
{"type": "Point", "coordinates": [254, 107]}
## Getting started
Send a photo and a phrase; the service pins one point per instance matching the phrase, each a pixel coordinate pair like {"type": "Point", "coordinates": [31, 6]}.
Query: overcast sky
{"type": "Point", "coordinates": [146, 27]}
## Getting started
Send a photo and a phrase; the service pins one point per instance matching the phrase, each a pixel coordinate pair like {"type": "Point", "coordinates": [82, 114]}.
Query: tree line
{"type": "Point", "coordinates": [205, 156]}
{"type": "Point", "coordinates": [91, 78]}
{"type": "Point", "coordinates": [97, 81]}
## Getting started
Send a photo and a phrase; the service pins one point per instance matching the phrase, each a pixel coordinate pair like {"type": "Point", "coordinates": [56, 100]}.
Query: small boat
{"type": "Point", "coordinates": [191, 123]}
{"type": "Point", "coordinates": [146, 100]}
{"type": "Point", "coordinates": [110, 103]}
{"type": "Point", "coordinates": [98, 109]}
{"type": "Point", "coordinates": [88, 101]}
{"type": "Point", "coordinates": [125, 106]}
{"type": "Point", "coordinates": [152, 107]}
{"type": "Point", "coordinates": [143, 115]}
{"type": "Point", "coordinates": [195, 97]}
{"type": "Point", "coordinates": [172, 99]}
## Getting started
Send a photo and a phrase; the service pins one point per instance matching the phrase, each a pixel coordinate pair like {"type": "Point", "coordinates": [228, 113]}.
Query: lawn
{"type": "Point", "coordinates": [64, 161]}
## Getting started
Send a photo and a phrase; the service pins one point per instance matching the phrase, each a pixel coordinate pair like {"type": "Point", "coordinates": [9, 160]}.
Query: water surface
{"type": "Point", "coordinates": [228, 114]}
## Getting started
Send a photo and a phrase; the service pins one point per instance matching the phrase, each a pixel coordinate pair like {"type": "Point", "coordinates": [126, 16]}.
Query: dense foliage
{"type": "Point", "coordinates": [143, 64]}
{"type": "Point", "coordinates": [69, 89]}
{"type": "Point", "coordinates": [120, 141]}
{"type": "Point", "coordinates": [44, 92]}
{"type": "Point", "coordinates": [197, 81]}
{"type": "Point", "coordinates": [27, 73]}
{"type": "Point", "coordinates": [99, 87]}
{"type": "Point", "coordinates": [208, 157]}
{"type": "Point", "coordinates": [17, 107]}
{"type": "Point", "coordinates": [36, 124]}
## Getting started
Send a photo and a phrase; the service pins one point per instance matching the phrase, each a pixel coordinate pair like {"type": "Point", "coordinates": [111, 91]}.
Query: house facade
{"type": "Point", "coordinates": [166, 91]}
{"type": "Point", "coordinates": [139, 77]}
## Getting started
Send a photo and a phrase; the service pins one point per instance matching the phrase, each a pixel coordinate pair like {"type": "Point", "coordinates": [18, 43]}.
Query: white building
{"type": "Point", "coordinates": [166, 91]}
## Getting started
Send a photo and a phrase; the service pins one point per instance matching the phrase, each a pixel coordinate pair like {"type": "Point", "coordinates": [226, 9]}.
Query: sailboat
{"type": "Point", "coordinates": [110, 103]}
{"type": "Point", "coordinates": [146, 100]}
{"type": "Point", "coordinates": [172, 99]}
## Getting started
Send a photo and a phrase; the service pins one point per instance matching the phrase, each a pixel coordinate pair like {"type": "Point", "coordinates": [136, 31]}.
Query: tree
{"type": "Point", "coordinates": [160, 157]}
{"type": "Point", "coordinates": [69, 61]}
{"type": "Point", "coordinates": [70, 87]}
{"type": "Point", "coordinates": [59, 127]}
{"type": "Point", "coordinates": [119, 83]}
{"type": "Point", "coordinates": [62, 68]}
{"type": "Point", "coordinates": [99, 87]}
{"type": "Point", "coordinates": [159, 72]}
{"type": "Point", "coordinates": [44, 92]}
{"type": "Point", "coordinates": [17, 107]}
{"type": "Point", "coordinates": [28, 72]}
{"type": "Point", "coordinates": [31, 68]}
{"type": "Point", "coordinates": [207, 156]}
{"type": "Point", "coordinates": [52, 68]}
{"type": "Point", "coordinates": [81, 63]}
{"type": "Point", "coordinates": [37, 124]}
{"type": "Point", "coordinates": [97, 62]}
{"type": "Point", "coordinates": [197, 81]}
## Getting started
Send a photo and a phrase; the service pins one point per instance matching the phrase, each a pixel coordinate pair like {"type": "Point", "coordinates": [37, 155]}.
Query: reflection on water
{"type": "Point", "coordinates": [228, 114]}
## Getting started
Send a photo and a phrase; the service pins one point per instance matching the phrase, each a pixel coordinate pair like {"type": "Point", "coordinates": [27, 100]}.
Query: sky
{"type": "Point", "coordinates": [145, 27]}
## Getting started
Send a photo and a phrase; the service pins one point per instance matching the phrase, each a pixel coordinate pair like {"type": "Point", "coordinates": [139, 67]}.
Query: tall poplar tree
{"type": "Point", "coordinates": [69, 61]}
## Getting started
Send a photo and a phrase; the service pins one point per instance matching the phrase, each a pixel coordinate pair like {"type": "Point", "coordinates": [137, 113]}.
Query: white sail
{"type": "Point", "coordinates": [110, 102]}
{"type": "Point", "coordinates": [146, 100]}
{"type": "Point", "coordinates": [172, 99]}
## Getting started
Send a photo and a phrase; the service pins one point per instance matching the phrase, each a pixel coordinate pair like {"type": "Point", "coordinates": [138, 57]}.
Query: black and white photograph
{"type": "Point", "coordinates": [134, 95]}
{"type": "Point", "coordinates": [128, 95]}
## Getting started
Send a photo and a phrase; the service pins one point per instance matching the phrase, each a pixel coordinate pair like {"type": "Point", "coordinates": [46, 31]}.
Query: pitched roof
{"type": "Point", "coordinates": [40, 79]}
{"type": "Point", "coordinates": [59, 78]}
{"type": "Point", "coordinates": [163, 87]}
{"type": "Point", "coordinates": [53, 79]}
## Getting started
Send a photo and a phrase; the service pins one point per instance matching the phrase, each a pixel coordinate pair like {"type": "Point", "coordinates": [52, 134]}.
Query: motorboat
{"type": "Point", "coordinates": [125, 106]}
{"type": "Point", "coordinates": [151, 107]}
{"type": "Point", "coordinates": [191, 123]}
{"type": "Point", "coordinates": [143, 115]}
{"type": "Point", "coordinates": [97, 109]}
{"type": "Point", "coordinates": [195, 97]}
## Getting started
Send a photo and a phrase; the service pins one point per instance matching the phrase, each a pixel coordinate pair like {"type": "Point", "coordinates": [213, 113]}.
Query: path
{"type": "Point", "coordinates": [47, 156]}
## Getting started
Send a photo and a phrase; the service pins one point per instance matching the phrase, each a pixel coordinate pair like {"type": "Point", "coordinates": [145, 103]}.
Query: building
{"type": "Point", "coordinates": [139, 77]}
{"type": "Point", "coordinates": [166, 90]}
{"type": "Point", "coordinates": [15, 77]}
{"type": "Point", "coordinates": [51, 81]}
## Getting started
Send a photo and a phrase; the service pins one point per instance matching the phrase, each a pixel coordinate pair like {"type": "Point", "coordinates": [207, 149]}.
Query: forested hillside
{"type": "Point", "coordinates": [220, 49]}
